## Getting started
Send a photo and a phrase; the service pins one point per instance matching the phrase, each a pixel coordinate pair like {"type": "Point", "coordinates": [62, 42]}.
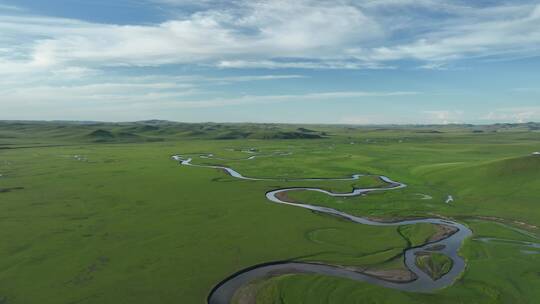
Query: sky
{"type": "Point", "coordinates": [302, 61]}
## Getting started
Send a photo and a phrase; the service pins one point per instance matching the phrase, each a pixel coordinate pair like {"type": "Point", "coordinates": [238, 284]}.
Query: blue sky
{"type": "Point", "coordinates": [304, 61]}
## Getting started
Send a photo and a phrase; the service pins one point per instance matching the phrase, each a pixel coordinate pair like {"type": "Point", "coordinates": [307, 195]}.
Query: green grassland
{"type": "Point", "coordinates": [434, 264]}
{"type": "Point", "coordinates": [99, 213]}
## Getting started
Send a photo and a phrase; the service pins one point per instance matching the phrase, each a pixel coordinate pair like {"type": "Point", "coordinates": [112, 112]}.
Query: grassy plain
{"type": "Point", "coordinates": [434, 264]}
{"type": "Point", "coordinates": [106, 217]}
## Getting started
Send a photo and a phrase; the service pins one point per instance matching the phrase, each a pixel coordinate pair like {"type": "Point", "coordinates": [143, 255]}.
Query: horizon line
{"type": "Point", "coordinates": [270, 123]}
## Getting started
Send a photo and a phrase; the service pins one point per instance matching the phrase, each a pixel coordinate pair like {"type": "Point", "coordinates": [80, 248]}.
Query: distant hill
{"type": "Point", "coordinates": [100, 134]}
{"type": "Point", "coordinates": [296, 135]}
{"type": "Point", "coordinates": [56, 132]}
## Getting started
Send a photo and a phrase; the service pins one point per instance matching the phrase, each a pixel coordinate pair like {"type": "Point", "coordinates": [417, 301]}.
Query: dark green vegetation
{"type": "Point", "coordinates": [434, 264]}
{"type": "Point", "coordinates": [418, 234]}
{"type": "Point", "coordinates": [98, 213]}
{"type": "Point", "coordinates": [145, 131]}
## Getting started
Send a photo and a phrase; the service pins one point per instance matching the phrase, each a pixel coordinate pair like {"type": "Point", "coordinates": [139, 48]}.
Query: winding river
{"type": "Point", "coordinates": [449, 246]}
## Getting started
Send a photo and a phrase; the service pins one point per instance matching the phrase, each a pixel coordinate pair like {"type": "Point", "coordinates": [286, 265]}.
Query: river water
{"type": "Point", "coordinates": [449, 246]}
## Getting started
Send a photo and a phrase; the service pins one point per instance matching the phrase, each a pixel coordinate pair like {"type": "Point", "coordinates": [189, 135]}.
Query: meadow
{"type": "Point", "coordinates": [99, 213]}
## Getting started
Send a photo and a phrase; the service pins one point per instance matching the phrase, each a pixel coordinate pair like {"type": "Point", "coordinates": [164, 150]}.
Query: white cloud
{"type": "Point", "coordinates": [491, 35]}
{"type": "Point", "coordinates": [6, 7]}
{"type": "Point", "coordinates": [232, 79]}
{"type": "Point", "coordinates": [513, 114]}
{"type": "Point", "coordinates": [40, 56]}
{"type": "Point", "coordinates": [434, 66]}
{"type": "Point", "coordinates": [444, 116]}
{"type": "Point", "coordinates": [113, 100]}
{"type": "Point", "coordinates": [322, 64]}
{"type": "Point", "coordinates": [125, 89]}
{"type": "Point", "coordinates": [358, 120]}
{"type": "Point", "coordinates": [257, 30]}
{"type": "Point", "coordinates": [255, 34]}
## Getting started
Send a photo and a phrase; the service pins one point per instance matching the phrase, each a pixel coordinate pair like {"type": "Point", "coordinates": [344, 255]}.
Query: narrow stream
{"type": "Point", "coordinates": [449, 246]}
